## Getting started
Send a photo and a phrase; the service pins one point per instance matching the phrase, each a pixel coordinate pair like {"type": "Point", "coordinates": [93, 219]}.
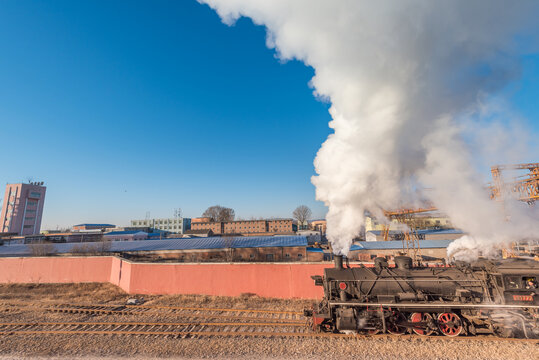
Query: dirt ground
{"type": "Point", "coordinates": [115, 346]}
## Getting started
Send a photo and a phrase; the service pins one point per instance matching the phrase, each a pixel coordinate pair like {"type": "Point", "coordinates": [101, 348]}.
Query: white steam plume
{"type": "Point", "coordinates": [404, 78]}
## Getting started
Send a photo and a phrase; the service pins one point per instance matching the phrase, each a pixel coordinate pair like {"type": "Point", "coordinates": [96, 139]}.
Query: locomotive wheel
{"type": "Point", "coordinates": [393, 328]}
{"type": "Point", "coordinates": [421, 317]}
{"type": "Point", "coordinates": [449, 324]}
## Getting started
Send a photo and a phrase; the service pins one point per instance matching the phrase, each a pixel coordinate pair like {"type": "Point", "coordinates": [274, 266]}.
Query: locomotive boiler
{"type": "Point", "coordinates": [498, 297]}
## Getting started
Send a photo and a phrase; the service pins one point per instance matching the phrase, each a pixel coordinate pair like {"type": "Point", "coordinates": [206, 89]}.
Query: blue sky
{"type": "Point", "coordinates": [127, 107]}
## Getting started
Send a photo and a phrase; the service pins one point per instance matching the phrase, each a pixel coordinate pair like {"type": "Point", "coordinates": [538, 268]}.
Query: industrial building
{"type": "Point", "coordinates": [435, 220]}
{"type": "Point", "coordinates": [61, 237]}
{"type": "Point", "coordinates": [319, 225]}
{"type": "Point", "coordinates": [368, 250]}
{"type": "Point", "coordinates": [423, 234]}
{"type": "Point", "coordinates": [213, 249]}
{"type": "Point", "coordinates": [22, 208]}
{"type": "Point", "coordinates": [175, 225]}
{"type": "Point", "coordinates": [125, 235]}
{"type": "Point", "coordinates": [93, 227]}
{"type": "Point", "coordinates": [248, 227]}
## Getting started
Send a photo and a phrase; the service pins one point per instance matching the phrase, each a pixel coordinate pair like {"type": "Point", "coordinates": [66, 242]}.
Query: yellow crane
{"type": "Point", "coordinates": [410, 240]}
{"type": "Point", "coordinates": [525, 187]}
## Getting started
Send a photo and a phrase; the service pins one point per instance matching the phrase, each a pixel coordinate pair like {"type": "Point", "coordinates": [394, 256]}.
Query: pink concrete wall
{"type": "Point", "coordinates": [269, 280]}
{"type": "Point", "coordinates": [55, 269]}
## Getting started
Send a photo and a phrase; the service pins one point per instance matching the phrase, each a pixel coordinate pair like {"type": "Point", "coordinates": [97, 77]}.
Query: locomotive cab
{"type": "Point", "coordinates": [520, 282]}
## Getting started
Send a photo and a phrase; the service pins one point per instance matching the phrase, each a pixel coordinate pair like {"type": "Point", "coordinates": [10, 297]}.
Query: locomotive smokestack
{"type": "Point", "coordinates": [338, 262]}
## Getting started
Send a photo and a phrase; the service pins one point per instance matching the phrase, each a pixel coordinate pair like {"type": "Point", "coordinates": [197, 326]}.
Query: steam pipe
{"type": "Point", "coordinates": [338, 262]}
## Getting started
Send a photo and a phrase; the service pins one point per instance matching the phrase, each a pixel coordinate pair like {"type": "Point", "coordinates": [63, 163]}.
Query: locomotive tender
{"type": "Point", "coordinates": [499, 297]}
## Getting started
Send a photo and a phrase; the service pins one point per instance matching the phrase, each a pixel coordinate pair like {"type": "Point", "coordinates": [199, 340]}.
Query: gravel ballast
{"type": "Point", "coordinates": [145, 346]}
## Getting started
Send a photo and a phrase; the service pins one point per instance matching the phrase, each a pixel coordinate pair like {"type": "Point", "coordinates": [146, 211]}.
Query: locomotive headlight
{"type": "Point", "coordinates": [343, 286]}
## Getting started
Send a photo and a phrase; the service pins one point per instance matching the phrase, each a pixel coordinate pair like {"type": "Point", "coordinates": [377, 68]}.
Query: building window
{"type": "Point", "coordinates": [252, 256]}
{"type": "Point", "coordinates": [35, 194]}
{"type": "Point", "coordinates": [300, 256]}
{"type": "Point", "coordinates": [28, 226]}
{"type": "Point", "coordinates": [269, 257]}
{"type": "Point", "coordinates": [287, 256]}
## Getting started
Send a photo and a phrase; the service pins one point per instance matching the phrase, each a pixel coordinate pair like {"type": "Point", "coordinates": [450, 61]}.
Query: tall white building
{"type": "Point", "coordinates": [174, 225]}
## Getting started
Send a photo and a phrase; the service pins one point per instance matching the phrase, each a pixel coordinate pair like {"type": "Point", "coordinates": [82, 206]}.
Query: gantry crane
{"type": "Point", "coordinates": [410, 241]}
{"type": "Point", "coordinates": [524, 187]}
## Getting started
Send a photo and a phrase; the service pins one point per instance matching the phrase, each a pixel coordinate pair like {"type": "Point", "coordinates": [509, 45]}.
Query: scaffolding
{"type": "Point", "coordinates": [410, 237]}
{"type": "Point", "coordinates": [524, 187]}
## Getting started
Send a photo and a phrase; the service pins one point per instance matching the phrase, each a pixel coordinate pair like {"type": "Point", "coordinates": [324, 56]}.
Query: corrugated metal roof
{"type": "Point", "coordinates": [172, 244]}
{"type": "Point", "coordinates": [311, 249]}
{"type": "Point", "coordinates": [397, 244]}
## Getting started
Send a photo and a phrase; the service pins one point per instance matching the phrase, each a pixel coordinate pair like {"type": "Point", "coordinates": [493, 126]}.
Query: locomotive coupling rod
{"type": "Point", "coordinates": [435, 306]}
{"type": "Point", "coordinates": [383, 319]}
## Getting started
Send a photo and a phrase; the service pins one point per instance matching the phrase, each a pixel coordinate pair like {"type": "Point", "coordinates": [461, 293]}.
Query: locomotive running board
{"type": "Point", "coordinates": [435, 306]}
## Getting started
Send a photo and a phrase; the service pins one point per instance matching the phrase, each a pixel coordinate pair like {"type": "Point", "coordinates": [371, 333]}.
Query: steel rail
{"type": "Point", "coordinates": [215, 309]}
{"type": "Point", "coordinates": [180, 308]}
{"type": "Point", "coordinates": [176, 333]}
{"type": "Point", "coordinates": [146, 313]}
{"type": "Point", "coordinates": [5, 324]}
{"type": "Point", "coordinates": [99, 310]}
{"type": "Point", "coordinates": [265, 334]}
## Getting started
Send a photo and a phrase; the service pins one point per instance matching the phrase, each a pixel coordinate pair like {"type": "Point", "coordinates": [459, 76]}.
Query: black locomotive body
{"type": "Point", "coordinates": [484, 297]}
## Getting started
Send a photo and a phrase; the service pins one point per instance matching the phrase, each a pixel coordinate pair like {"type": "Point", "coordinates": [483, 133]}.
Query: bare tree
{"type": "Point", "coordinates": [219, 213]}
{"type": "Point", "coordinates": [97, 248]}
{"type": "Point", "coordinates": [302, 214]}
{"type": "Point", "coordinates": [42, 249]}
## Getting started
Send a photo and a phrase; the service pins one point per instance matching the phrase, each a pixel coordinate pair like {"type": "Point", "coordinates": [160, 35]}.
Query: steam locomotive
{"type": "Point", "coordinates": [491, 297]}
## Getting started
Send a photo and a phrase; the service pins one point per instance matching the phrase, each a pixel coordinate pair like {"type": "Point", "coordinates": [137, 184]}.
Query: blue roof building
{"type": "Point", "coordinates": [366, 250]}
{"type": "Point", "coordinates": [263, 248]}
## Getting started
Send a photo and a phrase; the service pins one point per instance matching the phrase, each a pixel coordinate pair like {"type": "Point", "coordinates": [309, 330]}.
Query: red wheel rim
{"type": "Point", "coordinates": [449, 324]}
{"type": "Point", "coordinates": [421, 317]}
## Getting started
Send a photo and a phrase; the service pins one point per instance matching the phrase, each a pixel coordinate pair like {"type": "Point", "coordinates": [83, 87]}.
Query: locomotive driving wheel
{"type": "Point", "coordinates": [450, 324]}
{"type": "Point", "coordinates": [393, 327]}
{"type": "Point", "coordinates": [424, 318]}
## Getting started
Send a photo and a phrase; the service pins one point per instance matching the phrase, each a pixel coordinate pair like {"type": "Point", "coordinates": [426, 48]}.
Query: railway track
{"type": "Point", "coordinates": [210, 329]}
{"type": "Point", "coordinates": [169, 311]}
{"type": "Point", "coordinates": [219, 322]}
{"type": "Point", "coordinates": [174, 329]}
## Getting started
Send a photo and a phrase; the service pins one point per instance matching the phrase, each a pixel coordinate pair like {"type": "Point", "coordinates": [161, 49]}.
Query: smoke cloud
{"type": "Point", "coordinates": [409, 83]}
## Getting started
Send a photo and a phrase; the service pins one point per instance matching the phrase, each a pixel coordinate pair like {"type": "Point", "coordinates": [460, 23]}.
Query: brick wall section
{"type": "Point", "coordinates": [247, 227]}
{"type": "Point", "coordinates": [280, 225]}
{"type": "Point", "coordinates": [241, 227]}
{"type": "Point", "coordinates": [216, 227]}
